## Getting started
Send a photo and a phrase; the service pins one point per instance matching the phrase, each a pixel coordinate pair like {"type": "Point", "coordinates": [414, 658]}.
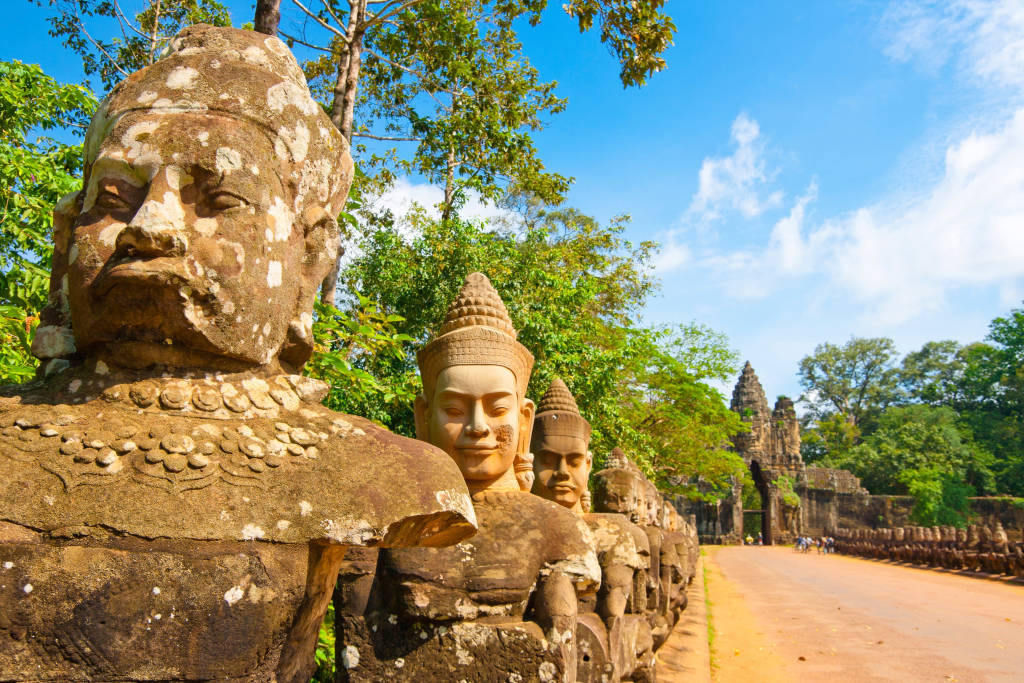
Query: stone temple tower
{"type": "Point", "coordinates": [749, 401]}
{"type": "Point", "coordinates": [774, 438]}
{"type": "Point", "coordinates": [828, 498]}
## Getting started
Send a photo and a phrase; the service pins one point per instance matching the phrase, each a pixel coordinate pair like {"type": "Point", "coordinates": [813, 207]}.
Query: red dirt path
{"type": "Point", "coordinates": [784, 616]}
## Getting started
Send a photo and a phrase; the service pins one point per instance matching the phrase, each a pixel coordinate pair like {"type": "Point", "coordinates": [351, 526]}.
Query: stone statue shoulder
{"type": "Point", "coordinates": [521, 537]}
{"type": "Point", "coordinates": [215, 460]}
{"type": "Point", "coordinates": [563, 541]}
{"type": "Point", "coordinates": [618, 540]}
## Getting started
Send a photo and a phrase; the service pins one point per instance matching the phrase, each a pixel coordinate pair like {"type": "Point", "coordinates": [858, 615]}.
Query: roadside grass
{"type": "Point", "coordinates": [712, 653]}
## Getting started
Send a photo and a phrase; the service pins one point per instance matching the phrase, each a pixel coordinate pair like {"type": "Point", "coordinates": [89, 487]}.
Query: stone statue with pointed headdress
{"type": "Point", "coordinates": [501, 605]}
{"type": "Point", "coordinates": [614, 635]}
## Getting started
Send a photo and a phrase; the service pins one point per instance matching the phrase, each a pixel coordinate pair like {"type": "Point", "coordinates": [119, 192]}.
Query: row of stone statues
{"type": "Point", "coordinates": [547, 589]}
{"type": "Point", "coordinates": [978, 547]}
{"type": "Point", "coordinates": [175, 503]}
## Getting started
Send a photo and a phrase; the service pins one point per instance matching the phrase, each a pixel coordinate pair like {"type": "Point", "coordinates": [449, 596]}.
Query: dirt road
{"type": "Point", "coordinates": [784, 616]}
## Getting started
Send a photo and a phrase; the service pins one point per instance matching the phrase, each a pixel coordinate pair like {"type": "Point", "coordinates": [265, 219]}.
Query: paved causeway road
{"type": "Point", "coordinates": [785, 616]}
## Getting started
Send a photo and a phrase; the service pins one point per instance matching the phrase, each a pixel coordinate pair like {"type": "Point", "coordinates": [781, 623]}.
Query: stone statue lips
{"type": "Point", "coordinates": [477, 453]}
{"type": "Point", "coordinates": [133, 266]}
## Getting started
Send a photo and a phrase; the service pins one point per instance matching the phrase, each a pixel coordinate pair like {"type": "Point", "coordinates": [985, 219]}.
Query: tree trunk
{"type": "Point", "coordinates": [156, 32]}
{"type": "Point", "coordinates": [268, 16]}
{"type": "Point", "coordinates": [343, 109]}
{"type": "Point", "coordinates": [449, 185]}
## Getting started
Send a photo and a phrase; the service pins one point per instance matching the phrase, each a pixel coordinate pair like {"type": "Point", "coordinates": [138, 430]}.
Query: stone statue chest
{"type": "Point", "coordinates": [157, 532]}
{"type": "Point", "coordinates": [146, 610]}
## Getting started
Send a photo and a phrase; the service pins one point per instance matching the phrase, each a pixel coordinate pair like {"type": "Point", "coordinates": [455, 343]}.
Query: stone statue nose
{"type": "Point", "coordinates": [157, 229]}
{"type": "Point", "coordinates": [477, 425]}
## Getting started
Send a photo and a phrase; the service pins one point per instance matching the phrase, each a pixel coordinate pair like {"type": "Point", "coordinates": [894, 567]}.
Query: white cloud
{"type": "Point", "coordinates": [672, 255]}
{"type": "Point", "coordinates": [735, 182]}
{"type": "Point", "coordinates": [985, 38]}
{"type": "Point", "coordinates": [788, 249]}
{"type": "Point", "coordinates": [961, 226]}
{"type": "Point", "coordinates": [401, 197]}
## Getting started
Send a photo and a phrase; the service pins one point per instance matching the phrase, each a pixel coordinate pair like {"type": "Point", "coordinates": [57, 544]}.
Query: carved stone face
{"type": "Point", "coordinates": [476, 416]}
{"type": "Point", "coordinates": [187, 241]}
{"type": "Point", "coordinates": [562, 464]}
{"type": "Point", "coordinates": [618, 491]}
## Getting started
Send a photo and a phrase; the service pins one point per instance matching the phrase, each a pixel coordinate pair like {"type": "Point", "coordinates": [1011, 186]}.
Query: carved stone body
{"type": "Point", "coordinates": [502, 604]}
{"type": "Point", "coordinates": [192, 529]}
{"type": "Point", "coordinates": [174, 502]}
{"type": "Point", "coordinates": [477, 602]}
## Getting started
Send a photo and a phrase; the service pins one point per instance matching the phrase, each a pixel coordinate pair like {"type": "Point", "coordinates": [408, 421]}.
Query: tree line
{"type": "Point", "coordinates": [443, 90]}
{"type": "Point", "coordinates": [942, 423]}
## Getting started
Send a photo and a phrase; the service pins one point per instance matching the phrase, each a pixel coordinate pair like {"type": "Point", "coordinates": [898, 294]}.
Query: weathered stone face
{"type": "Point", "coordinates": [474, 404]}
{"type": "Point", "coordinates": [561, 449]}
{"type": "Point", "coordinates": [186, 239]}
{"type": "Point", "coordinates": [476, 417]}
{"type": "Point", "coordinates": [206, 221]}
{"type": "Point", "coordinates": [562, 466]}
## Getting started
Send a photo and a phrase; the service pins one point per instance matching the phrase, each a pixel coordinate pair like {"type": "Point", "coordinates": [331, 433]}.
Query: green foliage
{"type": "Point", "coordinates": [344, 343]}
{"type": "Point", "coordinates": [35, 172]}
{"type": "Point", "coordinates": [143, 30]}
{"type": "Point", "coordinates": [574, 290]}
{"type": "Point", "coordinates": [916, 437]}
{"type": "Point", "coordinates": [829, 436]}
{"type": "Point", "coordinates": [448, 81]}
{"type": "Point", "coordinates": [324, 653]}
{"type": "Point", "coordinates": [939, 497]}
{"type": "Point", "coordinates": [933, 374]}
{"type": "Point", "coordinates": [785, 484]}
{"type": "Point", "coordinates": [857, 379]}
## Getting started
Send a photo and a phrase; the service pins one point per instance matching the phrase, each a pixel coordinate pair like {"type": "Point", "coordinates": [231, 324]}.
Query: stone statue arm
{"type": "Point", "coordinates": [554, 609]}
{"type": "Point", "coordinates": [616, 586]}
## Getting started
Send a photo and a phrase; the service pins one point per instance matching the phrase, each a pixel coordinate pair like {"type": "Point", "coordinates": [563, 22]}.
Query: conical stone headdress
{"type": "Point", "coordinates": [558, 414]}
{"type": "Point", "coordinates": [476, 331]}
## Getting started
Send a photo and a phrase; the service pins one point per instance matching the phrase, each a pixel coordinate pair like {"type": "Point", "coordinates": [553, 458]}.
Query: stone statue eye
{"type": "Point", "coordinates": [223, 200]}
{"type": "Point", "coordinates": [110, 201]}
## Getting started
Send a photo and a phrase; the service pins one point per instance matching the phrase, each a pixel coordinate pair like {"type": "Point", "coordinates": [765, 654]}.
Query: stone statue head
{"type": "Point", "coordinates": [206, 221]}
{"type": "Point", "coordinates": [561, 449]}
{"type": "Point", "coordinates": [474, 404]}
{"type": "Point", "coordinates": [620, 488]}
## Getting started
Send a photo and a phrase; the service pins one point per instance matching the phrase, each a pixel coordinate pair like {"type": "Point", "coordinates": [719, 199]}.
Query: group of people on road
{"type": "Point", "coordinates": [824, 544]}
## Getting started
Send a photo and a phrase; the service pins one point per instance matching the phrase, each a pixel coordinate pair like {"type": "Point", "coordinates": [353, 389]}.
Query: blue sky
{"type": "Point", "coordinates": [815, 170]}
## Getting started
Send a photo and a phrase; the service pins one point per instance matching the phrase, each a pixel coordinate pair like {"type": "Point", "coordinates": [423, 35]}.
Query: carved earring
{"type": "Point", "coordinates": [523, 466]}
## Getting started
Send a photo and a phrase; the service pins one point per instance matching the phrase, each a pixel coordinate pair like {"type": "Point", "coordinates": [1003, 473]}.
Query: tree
{"type": "Point", "coordinates": [993, 397]}
{"type": "Point", "coordinates": [574, 289]}
{"type": "Point", "coordinates": [857, 380]}
{"type": "Point", "coordinates": [35, 172]}
{"type": "Point", "coordinates": [939, 497]}
{"type": "Point", "coordinates": [934, 373]}
{"type": "Point", "coordinates": [917, 438]}
{"type": "Point", "coordinates": [449, 78]}
{"type": "Point", "coordinates": [143, 31]}
{"type": "Point", "coordinates": [828, 436]}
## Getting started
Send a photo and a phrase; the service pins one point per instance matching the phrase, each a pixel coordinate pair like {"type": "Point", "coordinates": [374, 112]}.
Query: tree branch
{"type": "Point", "coordinates": [320, 21]}
{"type": "Point", "coordinates": [410, 70]}
{"type": "Point", "coordinates": [304, 43]}
{"type": "Point", "coordinates": [330, 11]}
{"type": "Point", "coordinates": [384, 14]}
{"type": "Point", "coordinates": [123, 20]}
{"type": "Point", "coordinates": [81, 27]}
{"type": "Point", "coordinates": [386, 137]}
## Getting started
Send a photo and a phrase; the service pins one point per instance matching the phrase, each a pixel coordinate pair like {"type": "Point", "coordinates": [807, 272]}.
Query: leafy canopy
{"type": "Point", "coordinates": [35, 172]}
{"type": "Point", "coordinates": [574, 290]}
